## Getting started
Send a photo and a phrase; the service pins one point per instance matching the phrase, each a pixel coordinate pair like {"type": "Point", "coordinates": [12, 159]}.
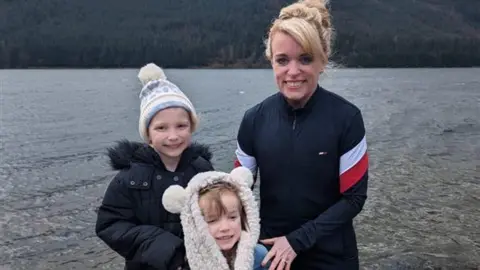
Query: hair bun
{"type": "Point", "coordinates": [309, 23]}
{"type": "Point", "coordinates": [320, 5]}
{"type": "Point", "coordinates": [310, 10]}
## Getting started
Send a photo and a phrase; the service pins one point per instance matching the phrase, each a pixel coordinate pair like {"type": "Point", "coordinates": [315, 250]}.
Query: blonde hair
{"type": "Point", "coordinates": [308, 22]}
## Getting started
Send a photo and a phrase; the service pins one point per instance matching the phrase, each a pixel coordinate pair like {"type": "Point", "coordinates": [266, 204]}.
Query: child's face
{"type": "Point", "coordinates": [225, 228]}
{"type": "Point", "coordinates": [170, 132]}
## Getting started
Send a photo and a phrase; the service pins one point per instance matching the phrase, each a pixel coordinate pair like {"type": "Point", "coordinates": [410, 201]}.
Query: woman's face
{"type": "Point", "coordinates": [296, 72]}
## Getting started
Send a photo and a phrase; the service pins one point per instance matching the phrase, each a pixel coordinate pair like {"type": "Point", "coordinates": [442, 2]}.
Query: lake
{"type": "Point", "coordinates": [423, 133]}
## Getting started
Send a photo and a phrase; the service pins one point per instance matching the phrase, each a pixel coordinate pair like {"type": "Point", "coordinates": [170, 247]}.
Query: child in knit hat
{"type": "Point", "coordinates": [220, 220]}
{"type": "Point", "coordinates": [131, 219]}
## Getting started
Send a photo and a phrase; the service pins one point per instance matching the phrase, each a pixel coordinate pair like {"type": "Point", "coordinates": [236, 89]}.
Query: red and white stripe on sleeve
{"type": "Point", "coordinates": [245, 160]}
{"type": "Point", "coordinates": [353, 165]}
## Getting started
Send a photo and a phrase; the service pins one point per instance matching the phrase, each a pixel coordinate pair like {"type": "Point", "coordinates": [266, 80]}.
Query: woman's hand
{"type": "Point", "coordinates": [281, 252]}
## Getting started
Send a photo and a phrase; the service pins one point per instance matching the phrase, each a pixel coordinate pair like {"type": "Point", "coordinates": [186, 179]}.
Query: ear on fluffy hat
{"type": "Point", "coordinates": [243, 174]}
{"type": "Point", "coordinates": [174, 198]}
{"type": "Point", "coordinates": [151, 72]}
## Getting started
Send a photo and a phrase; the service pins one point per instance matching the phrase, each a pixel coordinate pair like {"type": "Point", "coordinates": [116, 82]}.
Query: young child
{"type": "Point", "coordinates": [131, 219]}
{"type": "Point", "coordinates": [220, 220]}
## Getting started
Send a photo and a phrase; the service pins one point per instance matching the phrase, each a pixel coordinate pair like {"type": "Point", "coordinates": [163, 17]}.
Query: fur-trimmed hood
{"type": "Point", "coordinates": [125, 152]}
{"type": "Point", "coordinates": [202, 250]}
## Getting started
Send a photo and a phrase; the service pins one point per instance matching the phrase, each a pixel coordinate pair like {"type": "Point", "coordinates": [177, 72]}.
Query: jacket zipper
{"type": "Point", "coordinates": [294, 120]}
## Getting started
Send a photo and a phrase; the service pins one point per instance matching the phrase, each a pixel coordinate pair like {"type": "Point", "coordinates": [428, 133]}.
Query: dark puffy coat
{"type": "Point", "coordinates": [132, 220]}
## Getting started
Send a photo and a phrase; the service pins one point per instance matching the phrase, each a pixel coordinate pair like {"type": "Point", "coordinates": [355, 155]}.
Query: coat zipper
{"type": "Point", "coordinates": [294, 120]}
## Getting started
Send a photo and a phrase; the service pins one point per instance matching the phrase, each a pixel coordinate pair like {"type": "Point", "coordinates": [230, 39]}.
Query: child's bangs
{"type": "Point", "coordinates": [214, 207]}
{"type": "Point", "coordinates": [213, 196]}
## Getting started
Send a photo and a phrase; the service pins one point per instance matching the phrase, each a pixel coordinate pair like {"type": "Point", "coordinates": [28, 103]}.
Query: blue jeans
{"type": "Point", "coordinates": [259, 254]}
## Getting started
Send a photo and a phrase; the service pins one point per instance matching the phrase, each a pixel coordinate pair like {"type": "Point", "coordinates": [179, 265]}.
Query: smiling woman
{"type": "Point", "coordinates": [309, 147]}
{"type": "Point", "coordinates": [296, 71]}
{"type": "Point", "coordinates": [298, 47]}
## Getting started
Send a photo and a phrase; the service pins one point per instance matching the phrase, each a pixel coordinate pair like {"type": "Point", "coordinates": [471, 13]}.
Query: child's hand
{"type": "Point", "coordinates": [281, 252]}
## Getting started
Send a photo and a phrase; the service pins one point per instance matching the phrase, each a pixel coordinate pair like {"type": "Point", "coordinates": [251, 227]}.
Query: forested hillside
{"type": "Point", "coordinates": [226, 33]}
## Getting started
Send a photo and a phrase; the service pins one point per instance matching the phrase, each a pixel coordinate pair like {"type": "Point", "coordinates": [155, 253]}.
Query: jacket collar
{"type": "Point", "coordinates": [308, 106]}
{"type": "Point", "coordinates": [124, 153]}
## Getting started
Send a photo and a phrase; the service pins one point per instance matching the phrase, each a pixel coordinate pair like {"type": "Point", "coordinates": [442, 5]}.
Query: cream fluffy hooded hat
{"type": "Point", "coordinates": [201, 248]}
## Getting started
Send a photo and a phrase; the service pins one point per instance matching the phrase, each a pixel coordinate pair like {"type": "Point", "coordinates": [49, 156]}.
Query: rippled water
{"type": "Point", "coordinates": [423, 131]}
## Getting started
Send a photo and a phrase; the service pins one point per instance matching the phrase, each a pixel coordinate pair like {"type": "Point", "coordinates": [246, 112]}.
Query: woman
{"type": "Point", "coordinates": [309, 147]}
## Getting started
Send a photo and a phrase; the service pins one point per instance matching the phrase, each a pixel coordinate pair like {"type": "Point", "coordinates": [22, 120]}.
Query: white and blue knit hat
{"type": "Point", "coordinates": [158, 94]}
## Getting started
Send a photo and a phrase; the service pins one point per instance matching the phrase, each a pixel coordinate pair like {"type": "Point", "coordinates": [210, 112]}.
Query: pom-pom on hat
{"type": "Point", "coordinates": [158, 94]}
{"type": "Point", "coordinates": [202, 250]}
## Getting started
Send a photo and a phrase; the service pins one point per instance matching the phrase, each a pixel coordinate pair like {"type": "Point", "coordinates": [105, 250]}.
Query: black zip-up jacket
{"type": "Point", "coordinates": [132, 220]}
{"type": "Point", "coordinates": [313, 167]}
